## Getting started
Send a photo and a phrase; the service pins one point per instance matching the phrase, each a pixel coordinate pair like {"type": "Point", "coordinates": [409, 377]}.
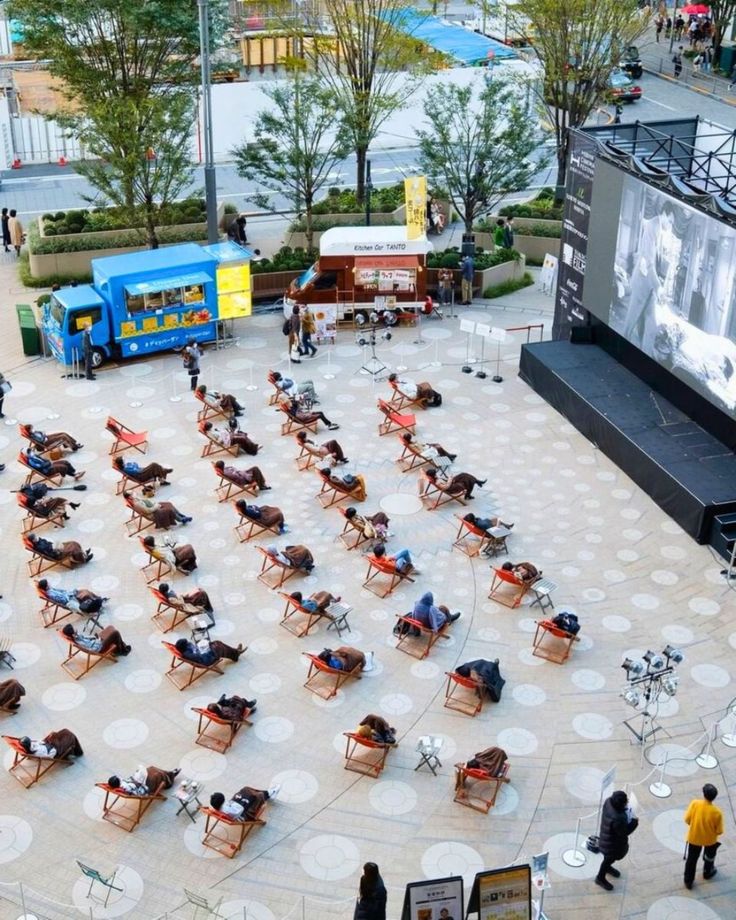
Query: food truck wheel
{"type": "Point", "coordinates": [98, 357]}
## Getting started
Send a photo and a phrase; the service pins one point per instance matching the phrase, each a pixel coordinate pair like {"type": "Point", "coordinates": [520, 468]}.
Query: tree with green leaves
{"type": "Point", "coordinates": [722, 13]}
{"type": "Point", "coordinates": [478, 144]}
{"type": "Point", "coordinates": [128, 73]}
{"type": "Point", "coordinates": [579, 43]}
{"type": "Point", "coordinates": [297, 143]}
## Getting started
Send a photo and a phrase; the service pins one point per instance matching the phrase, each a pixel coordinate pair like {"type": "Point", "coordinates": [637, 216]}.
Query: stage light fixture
{"type": "Point", "coordinates": [632, 697]}
{"type": "Point", "coordinates": [633, 667]}
{"type": "Point", "coordinates": [673, 654]}
{"type": "Point", "coordinates": [375, 318]}
{"type": "Point", "coordinates": [654, 660]}
{"type": "Point", "coordinates": [389, 318]}
{"type": "Point", "coordinates": [360, 319]}
{"type": "Point", "coordinates": [386, 336]}
{"type": "Point", "coordinates": [670, 684]}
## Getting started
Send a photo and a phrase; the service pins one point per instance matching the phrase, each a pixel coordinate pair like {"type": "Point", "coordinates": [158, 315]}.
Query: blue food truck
{"type": "Point", "coordinates": [149, 301]}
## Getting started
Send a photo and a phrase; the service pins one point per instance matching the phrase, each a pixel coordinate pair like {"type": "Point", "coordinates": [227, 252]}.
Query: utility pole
{"type": "Point", "coordinates": [210, 178]}
{"type": "Point", "coordinates": [368, 190]}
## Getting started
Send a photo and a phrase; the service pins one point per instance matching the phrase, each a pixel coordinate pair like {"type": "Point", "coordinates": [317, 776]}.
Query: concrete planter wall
{"type": "Point", "coordinates": [486, 278]}
{"type": "Point", "coordinates": [534, 247]}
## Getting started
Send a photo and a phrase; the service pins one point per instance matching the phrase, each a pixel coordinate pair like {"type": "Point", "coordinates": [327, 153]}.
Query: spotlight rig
{"type": "Point", "coordinates": [366, 335]}
{"type": "Point", "coordinates": [647, 678]}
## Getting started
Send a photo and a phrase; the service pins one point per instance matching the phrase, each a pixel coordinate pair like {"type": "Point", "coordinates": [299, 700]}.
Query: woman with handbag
{"type": "Point", "coordinates": [371, 903]}
{"type": "Point", "coordinates": [15, 228]}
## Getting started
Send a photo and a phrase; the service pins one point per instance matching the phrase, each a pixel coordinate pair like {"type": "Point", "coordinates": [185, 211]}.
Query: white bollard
{"type": "Point", "coordinates": [707, 760]}
{"type": "Point", "coordinates": [660, 789]}
{"type": "Point", "coordinates": [729, 738]}
{"type": "Point", "coordinates": [575, 857]}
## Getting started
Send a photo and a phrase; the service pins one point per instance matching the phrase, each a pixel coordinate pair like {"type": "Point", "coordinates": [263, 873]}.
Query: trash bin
{"type": "Point", "coordinates": [468, 245]}
{"type": "Point", "coordinates": [28, 330]}
{"type": "Point", "coordinates": [727, 59]}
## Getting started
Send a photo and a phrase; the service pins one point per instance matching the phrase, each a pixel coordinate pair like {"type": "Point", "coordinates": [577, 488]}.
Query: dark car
{"type": "Point", "coordinates": [631, 62]}
{"type": "Point", "coordinates": [621, 88]}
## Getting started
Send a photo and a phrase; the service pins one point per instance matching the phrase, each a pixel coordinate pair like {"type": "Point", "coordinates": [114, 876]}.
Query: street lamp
{"type": "Point", "coordinates": [210, 179]}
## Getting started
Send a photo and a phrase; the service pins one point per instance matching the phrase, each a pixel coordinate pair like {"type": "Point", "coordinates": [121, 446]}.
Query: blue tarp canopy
{"type": "Point", "coordinates": [466, 47]}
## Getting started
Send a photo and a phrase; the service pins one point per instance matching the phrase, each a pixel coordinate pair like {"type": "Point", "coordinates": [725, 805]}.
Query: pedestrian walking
{"type": "Point", "coordinates": [15, 229]}
{"type": "Point", "coordinates": [191, 356]}
{"type": "Point", "coordinates": [309, 327]}
{"type": "Point", "coordinates": [371, 903]}
{"type": "Point", "coordinates": [5, 387]}
{"type": "Point", "coordinates": [508, 236]}
{"type": "Point", "coordinates": [733, 79]}
{"type": "Point", "coordinates": [668, 27]}
{"type": "Point", "coordinates": [87, 351]}
{"type": "Point", "coordinates": [704, 826]}
{"type": "Point", "coordinates": [618, 823]}
{"type": "Point", "coordinates": [677, 61]}
{"type": "Point", "coordinates": [706, 59]}
{"type": "Point", "coordinates": [617, 112]}
{"type": "Point", "coordinates": [294, 327]}
{"type": "Point", "coordinates": [4, 218]}
{"type": "Point", "coordinates": [445, 285]}
{"type": "Point", "coordinates": [467, 276]}
{"type": "Point", "coordinates": [679, 26]}
{"type": "Point", "coordinates": [659, 25]}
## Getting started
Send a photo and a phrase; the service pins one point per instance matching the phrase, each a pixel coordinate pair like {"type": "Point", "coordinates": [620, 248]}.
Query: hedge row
{"type": "Point", "coordinates": [189, 211]}
{"type": "Point", "coordinates": [122, 240]}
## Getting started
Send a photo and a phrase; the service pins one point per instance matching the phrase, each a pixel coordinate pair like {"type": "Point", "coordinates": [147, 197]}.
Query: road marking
{"type": "Point", "coordinates": [661, 104]}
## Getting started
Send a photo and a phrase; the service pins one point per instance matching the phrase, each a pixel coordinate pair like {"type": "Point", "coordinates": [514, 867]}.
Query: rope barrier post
{"type": "Point", "coordinates": [729, 739]}
{"type": "Point", "coordinates": [707, 760]}
{"type": "Point", "coordinates": [575, 858]}
{"type": "Point", "coordinates": [436, 362]}
{"type": "Point", "coordinates": [22, 898]}
{"type": "Point", "coordinates": [328, 375]}
{"type": "Point", "coordinates": [419, 340]}
{"type": "Point", "coordinates": [660, 789]}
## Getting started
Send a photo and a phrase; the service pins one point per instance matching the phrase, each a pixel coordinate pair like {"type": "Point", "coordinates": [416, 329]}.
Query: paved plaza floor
{"type": "Point", "coordinates": [633, 577]}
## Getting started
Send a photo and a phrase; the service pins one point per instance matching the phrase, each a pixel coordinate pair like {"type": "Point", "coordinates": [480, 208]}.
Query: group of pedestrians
{"type": "Point", "coordinates": [12, 230]}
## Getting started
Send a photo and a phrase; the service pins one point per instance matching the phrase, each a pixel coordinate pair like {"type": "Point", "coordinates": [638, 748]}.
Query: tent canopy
{"type": "Point", "coordinates": [466, 47]}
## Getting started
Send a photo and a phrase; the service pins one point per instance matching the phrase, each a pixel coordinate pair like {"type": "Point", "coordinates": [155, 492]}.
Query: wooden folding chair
{"type": "Point", "coordinates": [227, 835]}
{"type": "Point", "coordinates": [154, 569]}
{"type": "Point", "coordinates": [248, 528]}
{"type": "Point", "coordinates": [28, 768]}
{"type": "Point", "coordinates": [330, 494]}
{"type": "Point", "coordinates": [6, 656]}
{"type": "Point", "coordinates": [552, 643]}
{"type": "Point", "coordinates": [166, 609]}
{"type": "Point", "coordinates": [470, 539]}
{"type": "Point", "coordinates": [294, 608]}
{"type": "Point", "coordinates": [395, 421]}
{"type": "Point", "coordinates": [126, 483]}
{"type": "Point", "coordinates": [305, 459]}
{"type": "Point", "coordinates": [477, 789]}
{"type": "Point", "coordinates": [226, 488]}
{"type": "Point", "coordinates": [33, 520]}
{"type": "Point", "coordinates": [80, 661]}
{"type": "Point", "coordinates": [507, 588]}
{"type": "Point", "coordinates": [457, 691]}
{"type": "Point", "coordinates": [418, 646]}
{"type": "Point", "coordinates": [324, 680]}
{"type": "Point", "coordinates": [136, 523]}
{"type": "Point", "coordinates": [209, 412]}
{"type": "Point", "coordinates": [38, 563]}
{"type": "Point", "coordinates": [352, 536]}
{"type": "Point", "coordinates": [411, 458]}
{"type": "Point", "coordinates": [52, 612]}
{"type": "Point", "coordinates": [400, 400]}
{"type": "Point", "coordinates": [363, 755]}
{"type": "Point", "coordinates": [212, 448]}
{"type": "Point", "coordinates": [179, 677]}
{"type": "Point", "coordinates": [215, 741]}
{"type": "Point", "coordinates": [24, 432]}
{"type": "Point", "coordinates": [124, 809]}
{"type": "Point", "coordinates": [434, 495]}
{"type": "Point", "coordinates": [283, 572]}
{"type": "Point", "coordinates": [125, 437]}
{"type": "Point", "coordinates": [277, 393]}
{"type": "Point", "coordinates": [383, 567]}
{"type": "Point", "coordinates": [292, 425]}
{"type": "Point", "coordinates": [54, 480]}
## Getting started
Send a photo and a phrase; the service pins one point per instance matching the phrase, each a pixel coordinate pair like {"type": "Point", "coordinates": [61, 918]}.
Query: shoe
{"type": "Point", "coordinates": [251, 704]}
{"type": "Point", "coordinates": [176, 772]}
{"type": "Point", "coordinates": [452, 457]}
{"type": "Point", "coordinates": [126, 650]}
{"type": "Point", "coordinates": [78, 476]}
{"type": "Point", "coordinates": [187, 520]}
{"type": "Point", "coordinates": [713, 871]}
{"type": "Point", "coordinates": [604, 883]}
{"type": "Point", "coordinates": [369, 662]}
{"type": "Point", "coordinates": [2, 415]}
{"type": "Point", "coordinates": [274, 791]}
{"type": "Point", "coordinates": [344, 460]}
{"type": "Point", "coordinates": [91, 377]}
{"type": "Point", "coordinates": [333, 427]}
{"type": "Point", "coordinates": [89, 556]}
{"type": "Point", "coordinates": [164, 482]}
{"type": "Point", "coordinates": [266, 488]}
{"type": "Point", "coordinates": [482, 482]}
{"type": "Point", "coordinates": [689, 886]}
{"type": "Point", "coordinates": [14, 706]}
{"type": "Point", "coordinates": [454, 616]}
{"type": "Point", "coordinates": [614, 872]}
{"type": "Point", "coordinates": [74, 505]}
{"type": "Point", "coordinates": [295, 361]}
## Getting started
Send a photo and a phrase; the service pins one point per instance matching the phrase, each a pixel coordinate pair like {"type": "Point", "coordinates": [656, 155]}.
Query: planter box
{"type": "Point", "coordinates": [535, 247]}
{"type": "Point", "coordinates": [483, 279]}
{"type": "Point", "coordinates": [79, 263]}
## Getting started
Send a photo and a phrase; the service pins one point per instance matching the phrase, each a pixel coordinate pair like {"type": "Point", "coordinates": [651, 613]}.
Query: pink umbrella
{"type": "Point", "coordinates": [695, 9]}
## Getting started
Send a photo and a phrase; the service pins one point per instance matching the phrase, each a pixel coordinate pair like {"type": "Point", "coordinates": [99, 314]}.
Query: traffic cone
{"type": "Point", "coordinates": [16, 163]}
{"type": "Point", "coordinates": [62, 160]}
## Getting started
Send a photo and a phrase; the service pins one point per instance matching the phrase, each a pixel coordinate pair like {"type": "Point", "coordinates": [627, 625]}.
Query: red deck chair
{"type": "Point", "coordinates": [411, 458]}
{"type": "Point", "coordinates": [24, 432]}
{"type": "Point", "coordinates": [209, 412]}
{"type": "Point", "coordinates": [277, 392]}
{"type": "Point", "coordinates": [126, 483]}
{"type": "Point", "coordinates": [53, 612]}
{"type": "Point", "coordinates": [324, 680]}
{"type": "Point", "coordinates": [226, 488]}
{"type": "Point", "coordinates": [125, 437]}
{"type": "Point", "coordinates": [305, 459]}
{"type": "Point", "coordinates": [228, 727]}
{"type": "Point", "coordinates": [352, 536]}
{"type": "Point", "coordinates": [80, 661]}
{"type": "Point", "coordinates": [54, 480]}
{"type": "Point", "coordinates": [124, 809]}
{"type": "Point", "coordinates": [213, 447]}
{"type": "Point", "coordinates": [154, 569]}
{"type": "Point", "coordinates": [395, 421]}
{"type": "Point", "coordinates": [33, 520]}
{"type": "Point", "coordinates": [292, 425]}
{"type": "Point", "coordinates": [464, 694]}
{"type": "Point", "coordinates": [282, 574]}
{"type": "Point", "coordinates": [226, 835]}
{"type": "Point", "coordinates": [383, 567]}
{"type": "Point", "coordinates": [136, 523]}
{"type": "Point", "coordinates": [38, 563]}
{"type": "Point", "coordinates": [331, 494]}
{"type": "Point", "coordinates": [28, 768]}
{"type": "Point", "coordinates": [434, 495]}
{"type": "Point", "coordinates": [196, 670]}
{"type": "Point", "coordinates": [363, 755]}
{"type": "Point", "coordinates": [477, 789]}
{"type": "Point", "coordinates": [292, 609]}
{"type": "Point", "coordinates": [165, 609]}
{"type": "Point", "coordinates": [401, 401]}
{"type": "Point", "coordinates": [470, 539]}
{"type": "Point", "coordinates": [507, 588]}
{"type": "Point", "coordinates": [552, 643]}
{"type": "Point", "coordinates": [249, 529]}
{"type": "Point", "coordinates": [418, 646]}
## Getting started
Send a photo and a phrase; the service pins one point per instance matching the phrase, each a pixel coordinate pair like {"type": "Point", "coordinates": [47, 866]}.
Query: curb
{"type": "Point", "coordinates": [694, 89]}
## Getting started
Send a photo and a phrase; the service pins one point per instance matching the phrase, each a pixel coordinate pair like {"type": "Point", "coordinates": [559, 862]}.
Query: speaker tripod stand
{"type": "Point", "coordinates": [373, 365]}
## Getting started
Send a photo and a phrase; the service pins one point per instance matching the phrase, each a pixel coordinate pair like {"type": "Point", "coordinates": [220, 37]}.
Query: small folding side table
{"type": "Point", "coordinates": [339, 617]}
{"type": "Point", "coordinates": [200, 629]}
{"type": "Point", "coordinates": [428, 748]}
{"type": "Point", "coordinates": [188, 794]}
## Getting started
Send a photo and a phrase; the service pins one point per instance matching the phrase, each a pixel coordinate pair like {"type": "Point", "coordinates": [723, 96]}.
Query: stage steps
{"type": "Point", "coordinates": [723, 534]}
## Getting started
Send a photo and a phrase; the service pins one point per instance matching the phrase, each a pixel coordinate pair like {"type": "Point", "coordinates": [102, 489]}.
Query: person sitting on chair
{"type": "Point", "coordinates": [490, 761]}
{"type": "Point", "coordinates": [295, 557]}
{"type": "Point", "coordinates": [432, 617]}
{"type": "Point", "coordinates": [344, 658]}
{"type": "Point", "coordinates": [402, 560]}
{"type": "Point", "coordinates": [268, 515]}
{"type": "Point", "coordinates": [317, 602]}
{"type": "Point", "coordinates": [422, 392]}
{"type": "Point", "coordinates": [441, 458]}
{"type": "Point", "coordinates": [524, 571]}
{"type": "Point", "coordinates": [245, 805]}
{"type": "Point", "coordinates": [376, 729]}
{"type": "Point", "coordinates": [145, 781]}
{"type": "Point", "coordinates": [306, 416]}
{"type": "Point", "coordinates": [351, 485]}
{"type": "Point", "coordinates": [231, 437]}
{"type": "Point", "coordinates": [485, 524]}
{"type": "Point", "coordinates": [292, 389]}
{"type": "Point", "coordinates": [108, 638]}
{"type": "Point", "coordinates": [207, 651]}
{"type": "Point", "coordinates": [372, 526]}
{"type": "Point", "coordinates": [223, 401]}
{"type": "Point", "coordinates": [152, 472]}
{"type": "Point", "coordinates": [11, 692]}
{"type": "Point", "coordinates": [51, 467]}
{"type": "Point", "coordinates": [162, 514]}
{"type": "Point", "coordinates": [232, 708]}
{"type": "Point", "coordinates": [243, 477]}
{"type": "Point", "coordinates": [460, 484]}
{"type": "Point", "coordinates": [486, 673]}
{"type": "Point", "coordinates": [52, 440]}
{"type": "Point", "coordinates": [69, 552]}
{"type": "Point", "coordinates": [60, 745]}
{"type": "Point", "coordinates": [329, 449]}
{"type": "Point", "coordinates": [182, 558]}
{"type": "Point", "coordinates": [194, 603]}
{"type": "Point", "coordinates": [79, 600]}
{"type": "Point", "coordinates": [37, 502]}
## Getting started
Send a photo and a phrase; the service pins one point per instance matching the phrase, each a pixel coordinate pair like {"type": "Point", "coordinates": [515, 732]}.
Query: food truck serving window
{"type": "Point", "coordinates": [150, 296]}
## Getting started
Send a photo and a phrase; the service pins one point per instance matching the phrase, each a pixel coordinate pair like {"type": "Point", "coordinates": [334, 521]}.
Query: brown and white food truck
{"type": "Point", "coordinates": [360, 268]}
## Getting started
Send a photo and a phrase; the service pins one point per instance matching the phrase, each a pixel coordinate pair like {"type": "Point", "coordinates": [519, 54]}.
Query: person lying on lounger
{"type": "Point", "coordinates": [233, 708]}
{"type": "Point", "coordinates": [163, 514]}
{"type": "Point", "coordinates": [245, 805]}
{"type": "Point", "coordinates": [152, 472]}
{"type": "Point", "coordinates": [207, 651]}
{"type": "Point", "coordinates": [268, 515]}
{"type": "Point", "coordinates": [377, 729]}
{"type": "Point", "coordinates": [60, 745]}
{"type": "Point", "coordinates": [423, 391]}
{"type": "Point", "coordinates": [69, 552]}
{"type": "Point", "coordinates": [223, 401]}
{"type": "Point", "coordinates": [182, 558]}
{"type": "Point", "coordinates": [402, 560]}
{"type": "Point", "coordinates": [108, 638]}
{"type": "Point", "coordinates": [51, 467]}
{"type": "Point", "coordinates": [460, 484]}
{"type": "Point", "coordinates": [295, 557]}
{"type": "Point", "coordinates": [351, 485]}
{"type": "Point", "coordinates": [79, 600]}
{"type": "Point", "coordinates": [52, 440]}
{"type": "Point", "coordinates": [231, 437]}
{"type": "Point", "coordinates": [145, 781]}
{"type": "Point", "coordinates": [243, 477]}
{"type": "Point", "coordinates": [328, 450]}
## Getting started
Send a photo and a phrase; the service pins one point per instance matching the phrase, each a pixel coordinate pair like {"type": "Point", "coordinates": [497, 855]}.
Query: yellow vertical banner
{"type": "Point", "coordinates": [415, 196]}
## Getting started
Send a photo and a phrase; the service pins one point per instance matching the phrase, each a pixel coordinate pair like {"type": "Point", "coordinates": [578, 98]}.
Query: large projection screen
{"type": "Point", "coordinates": [663, 275]}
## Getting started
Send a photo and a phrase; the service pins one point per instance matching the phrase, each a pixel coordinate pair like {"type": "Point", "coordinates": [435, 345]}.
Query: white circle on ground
{"type": "Point", "coordinates": [680, 760]}
{"type": "Point", "coordinates": [127, 612]}
{"type": "Point", "coordinates": [244, 907]}
{"type": "Point", "coordinates": [125, 733]}
{"type": "Point", "coordinates": [203, 764]}
{"type": "Point", "coordinates": [193, 843]}
{"type": "Point", "coordinates": [396, 704]}
{"type": "Point", "coordinates": [265, 683]}
{"type": "Point", "coordinates": [677, 635]}
{"type": "Point", "coordinates": [401, 503]}
{"type": "Point", "coordinates": [676, 907]}
{"type": "Point", "coordinates": [669, 829]}
{"type": "Point", "coordinates": [616, 623]}
{"type": "Point", "coordinates": [297, 786]}
{"type": "Point", "coordinates": [392, 798]}
{"type": "Point", "coordinates": [710, 675]}
{"type": "Point", "coordinates": [529, 695]}
{"type": "Point", "coordinates": [584, 783]}
{"type": "Point", "coordinates": [274, 729]}
{"type": "Point", "coordinates": [26, 654]}
{"type": "Point", "coordinates": [16, 836]}
{"type": "Point", "coordinates": [329, 857]}
{"type": "Point", "coordinates": [558, 845]}
{"type": "Point", "coordinates": [592, 725]}
{"type": "Point", "coordinates": [507, 800]}
{"type": "Point", "coordinates": [63, 697]}
{"type": "Point", "coordinates": [120, 903]}
{"type": "Point", "coordinates": [704, 606]}
{"type": "Point", "coordinates": [145, 680]}
{"type": "Point", "coordinates": [588, 680]}
{"type": "Point", "coordinates": [645, 601]}
{"type": "Point", "coordinates": [451, 858]}
{"type": "Point", "coordinates": [517, 741]}
{"type": "Point", "coordinates": [426, 670]}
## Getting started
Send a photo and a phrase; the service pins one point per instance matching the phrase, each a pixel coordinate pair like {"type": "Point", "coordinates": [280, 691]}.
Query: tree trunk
{"type": "Point", "coordinates": [308, 223]}
{"type": "Point", "coordinates": [561, 170]}
{"type": "Point", "coordinates": [151, 237]}
{"type": "Point", "coordinates": [361, 155]}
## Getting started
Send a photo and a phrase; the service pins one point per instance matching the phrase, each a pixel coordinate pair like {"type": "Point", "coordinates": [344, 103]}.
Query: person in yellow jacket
{"type": "Point", "coordinates": [705, 826]}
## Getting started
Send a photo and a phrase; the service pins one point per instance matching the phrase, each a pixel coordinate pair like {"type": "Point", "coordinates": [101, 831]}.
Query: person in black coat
{"type": "Point", "coordinates": [371, 904]}
{"type": "Point", "coordinates": [617, 825]}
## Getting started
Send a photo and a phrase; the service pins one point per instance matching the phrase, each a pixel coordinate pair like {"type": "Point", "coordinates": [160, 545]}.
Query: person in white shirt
{"type": "Point", "coordinates": [245, 805]}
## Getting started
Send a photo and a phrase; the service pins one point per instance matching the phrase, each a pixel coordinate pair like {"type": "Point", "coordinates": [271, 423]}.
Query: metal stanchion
{"type": "Point", "coordinates": [660, 789]}
{"type": "Point", "coordinates": [707, 760]}
{"type": "Point", "coordinates": [575, 857]}
{"type": "Point", "coordinates": [175, 397]}
{"type": "Point", "coordinates": [251, 386]}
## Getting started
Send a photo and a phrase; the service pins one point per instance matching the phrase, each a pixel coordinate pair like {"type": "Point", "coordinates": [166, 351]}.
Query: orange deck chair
{"type": "Point", "coordinates": [124, 809]}
{"type": "Point", "coordinates": [464, 694]}
{"type": "Point", "coordinates": [395, 421]}
{"type": "Point", "coordinates": [80, 661]}
{"type": "Point", "coordinates": [477, 789]}
{"type": "Point", "coordinates": [177, 672]}
{"type": "Point", "coordinates": [400, 400]}
{"type": "Point", "coordinates": [33, 520]}
{"type": "Point", "coordinates": [213, 447]}
{"type": "Point", "coordinates": [552, 643]}
{"type": "Point", "coordinates": [363, 755]}
{"type": "Point", "coordinates": [282, 572]}
{"type": "Point", "coordinates": [28, 768]}
{"type": "Point", "coordinates": [418, 646]}
{"type": "Point", "coordinates": [435, 495]}
{"type": "Point", "coordinates": [226, 488]}
{"type": "Point", "coordinates": [324, 680]}
{"type": "Point", "coordinates": [383, 567]}
{"type": "Point", "coordinates": [507, 588]}
{"type": "Point", "coordinates": [248, 528]}
{"type": "Point", "coordinates": [226, 835]}
{"type": "Point", "coordinates": [228, 727]}
{"type": "Point", "coordinates": [292, 425]}
{"type": "Point", "coordinates": [125, 437]}
{"type": "Point", "coordinates": [53, 480]}
{"type": "Point", "coordinates": [154, 569]}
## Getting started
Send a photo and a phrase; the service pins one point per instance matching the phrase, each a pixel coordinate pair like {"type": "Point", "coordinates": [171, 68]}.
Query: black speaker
{"type": "Point", "coordinates": [582, 335]}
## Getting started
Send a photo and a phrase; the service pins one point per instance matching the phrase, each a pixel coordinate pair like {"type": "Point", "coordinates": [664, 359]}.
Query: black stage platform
{"type": "Point", "coordinates": [689, 473]}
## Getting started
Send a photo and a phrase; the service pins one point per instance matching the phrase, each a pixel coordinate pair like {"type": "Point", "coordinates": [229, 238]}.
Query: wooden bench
{"type": "Point", "coordinates": [292, 425]}
{"type": "Point", "coordinates": [38, 563]}
{"type": "Point", "coordinates": [395, 421]}
{"type": "Point", "coordinates": [400, 400]}
{"type": "Point", "coordinates": [216, 742]}
{"type": "Point", "coordinates": [457, 690]}
{"type": "Point", "coordinates": [305, 459]}
{"type": "Point", "coordinates": [53, 480]}
{"type": "Point", "coordinates": [411, 458]}
{"type": "Point", "coordinates": [76, 669]}
{"type": "Point", "coordinates": [470, 784]}
{"type": "Point", "coordinates": [124, 809]}
{"type": "Point", "coordinates": [154, 569]}
{"type": "Point", "coordinates": [125, 437]}
{"type": "Point", "coordinates": [249, 528]}
{"type": "Point", "coordinates": [228, 839]}
{"type": "Point", "coordinates": [207, 411]}
{"type": "Point", "coordinates": [418, 646]}
{"type": "Point", "coordinates": [436, 495]}
{"type": "Point", "coordinates": [325, 681]}
{"type": "Point", "coordinates": [136, 523]}
{"type": "Point", "coordinates": [196, 669]}
{"type": "Point", "coordinates": [213, 447]}
{"type": "Point", "coordinates": [284, 572]}
{"type": "Point", "coordinates": [34, 521]}
{"type": "Point", "coordinates": [507, 588]}
{"type": "Point", "coordinates": [363, 755]}
{"type": "Point", "coordinates": [383, 567]}
{"type": "Point", "coordinates": [29, 768]}
{"type": "Point", "coordinates": [552, 643]}
{"type": "Point", "coordinates": [226, 486]}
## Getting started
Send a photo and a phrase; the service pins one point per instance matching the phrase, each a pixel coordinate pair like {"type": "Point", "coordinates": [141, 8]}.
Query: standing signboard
{"type": "Point", "coordinates": [502, 894]}
{"type": "Point", "coordinates": [436, 899]}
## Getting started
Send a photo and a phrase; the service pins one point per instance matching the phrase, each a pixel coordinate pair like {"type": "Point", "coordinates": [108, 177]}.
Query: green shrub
{"type": "Point", "coordinates": [532, 261]}
{"type": "Point", "coordinates": [508, 287]}
{"type": "Point", "coordinates": [450, 258]}
{"type": "Point", "coordinates": [123, 239]}
{"type": "Point", "coordinates": [229, 208]}
{"type": "Point", "coordinates": [539, 230]}
{"type": "Point", "coordinates": [28, 280]}
{"type": "Point", "coordinates": [286, 259]}
{"type": "Point", "coordinates": [191, 210]}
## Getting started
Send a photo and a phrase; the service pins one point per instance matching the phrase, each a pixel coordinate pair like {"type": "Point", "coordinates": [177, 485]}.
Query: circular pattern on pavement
{"type": "Point", "coordinates": [451, 858]}
{"type": "Point", "coordinates": [297, 786]}
{"type": "Point", "coordinates": [401, 504]}
{"type": "Point", "coordinates": [125, 733]}
{"type": "Point", "coordinates": [120, 903]}
{"type": "Point", "coordinates": [592, 725]}
{"type": "Point", "coordinates": [63, 697]}
{"type": "Point", "coordinates": [392, 798]}
{"type": "Point", "coordinates": [16, 836]}
{"type": "Point", "coordinates": [329, 857]}
{"type": "Point", "coordinates": [676, 907]}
